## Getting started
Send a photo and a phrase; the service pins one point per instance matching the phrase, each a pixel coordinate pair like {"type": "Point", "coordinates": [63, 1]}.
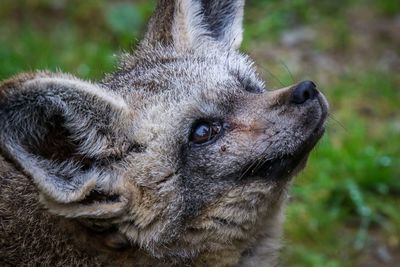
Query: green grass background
{"type": "Point", "coordinates": [344, 208]}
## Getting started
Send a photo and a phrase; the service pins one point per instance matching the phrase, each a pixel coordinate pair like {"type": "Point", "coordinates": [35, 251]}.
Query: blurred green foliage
{"type": "Point", "coordinates": [345, 205]}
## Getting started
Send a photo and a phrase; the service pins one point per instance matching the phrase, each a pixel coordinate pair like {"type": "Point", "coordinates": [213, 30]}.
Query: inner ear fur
{"type": "Point", "coordinates": [66, 134]}
{"type": "Point", "coordinates": [187, 24]}
{"type": "Point", "coordinates": [176, 23]}
{"type": "Point", "coordinates": [224, 20]}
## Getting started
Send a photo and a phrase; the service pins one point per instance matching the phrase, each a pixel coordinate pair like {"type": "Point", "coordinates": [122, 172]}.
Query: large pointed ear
{"type": "Point", "coordinates": [67, 135]}
{"type": "Point", "coordinates": [224, 19]}
{"type": "Point", "coordinates": [190, 23]}
{"type": "Point", "coordinates": [178, 23]}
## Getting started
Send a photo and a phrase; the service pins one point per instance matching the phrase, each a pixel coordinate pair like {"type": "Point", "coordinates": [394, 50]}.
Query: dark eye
{"type": "Point", "coordinates": [253, 89]}
{"type": "Point", "coordinates": [204, 131]}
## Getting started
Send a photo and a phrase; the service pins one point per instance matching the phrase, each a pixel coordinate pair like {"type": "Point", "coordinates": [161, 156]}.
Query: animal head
{"type": "Point", "coordinates": [181, 150]}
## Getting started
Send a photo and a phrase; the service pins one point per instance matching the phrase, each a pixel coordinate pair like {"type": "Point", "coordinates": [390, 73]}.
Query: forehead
{"type": "Point", "coordinates": [188, 73]}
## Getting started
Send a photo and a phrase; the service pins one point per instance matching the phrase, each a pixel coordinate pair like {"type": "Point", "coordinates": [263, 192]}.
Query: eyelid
{"type": "Point", "coordinates": [250, 86]}
{"type": "Point", "coordinates": [253, 89]}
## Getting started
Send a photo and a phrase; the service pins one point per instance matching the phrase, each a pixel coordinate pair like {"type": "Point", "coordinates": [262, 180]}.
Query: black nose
{"type": "Point", "coordinates": [304, 91]}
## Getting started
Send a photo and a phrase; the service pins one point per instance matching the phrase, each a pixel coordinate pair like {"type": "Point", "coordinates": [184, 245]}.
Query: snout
{"type": "Point", "coordinates": [293, 122]}
{"type": "Point", "coordinates": [302, 101]}
{"type": "Point", "coordinates": [306, 91]}
{"type": "Point", "coordinates": [303, 92]}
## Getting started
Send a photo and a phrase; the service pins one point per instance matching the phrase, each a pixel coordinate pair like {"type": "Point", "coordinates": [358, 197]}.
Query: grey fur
{"type": "Point", "coordinates": [105, 174]}
{"type": "Point", "coordinates": [224, 18]}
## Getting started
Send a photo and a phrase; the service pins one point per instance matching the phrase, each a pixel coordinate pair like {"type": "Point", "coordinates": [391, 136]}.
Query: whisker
{"type": "Point", "coordinates": [338, 122]}
{"type": "Point", "coordinates": [257, 162]}
{"type": "Point", "coordinates": [256, 168]}
{"type": "Point", "coordinates": [248, 169]}
{"type": "Point", "coordinates": [253, 129]}
{"type": "Point", "coordinates": [262, 163]}
{"type": "Point", "coordinates": [273, 76]}
{"type": "Point", "coordinates": [288, 70]}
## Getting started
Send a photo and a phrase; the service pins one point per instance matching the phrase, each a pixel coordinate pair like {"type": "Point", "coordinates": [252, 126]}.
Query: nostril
{"type": "Point", "coordinates": [306, 94]}
{"type": "Point", "coordinates": [304, 91]}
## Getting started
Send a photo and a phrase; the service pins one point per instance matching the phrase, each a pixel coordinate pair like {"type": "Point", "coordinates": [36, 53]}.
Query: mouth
{"type": "Point", "coordinates": [285, 166]}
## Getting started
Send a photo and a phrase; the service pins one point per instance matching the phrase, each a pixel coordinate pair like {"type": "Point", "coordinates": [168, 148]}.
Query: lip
{"type": "Point", "coordinates": [286, 166]}
{"type": "Point", "coordinates": [324, 109]}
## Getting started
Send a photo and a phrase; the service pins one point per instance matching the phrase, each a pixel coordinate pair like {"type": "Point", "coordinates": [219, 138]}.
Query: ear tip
{"type": "Point", "coordinates": [97, 210]}
{"type": "Point", "coordinates": [55, 189]}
